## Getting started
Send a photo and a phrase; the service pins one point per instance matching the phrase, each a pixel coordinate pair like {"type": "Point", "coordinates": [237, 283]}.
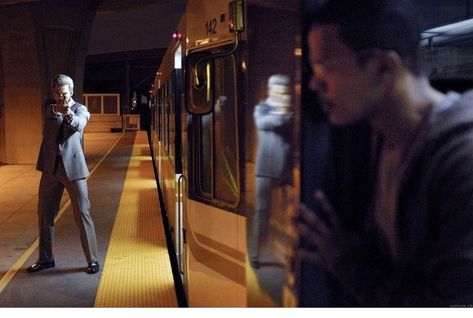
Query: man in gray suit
{"type": "Point", "coordinates": [273, 119]}
{"type": "Point", "coordinates": [62, 162]}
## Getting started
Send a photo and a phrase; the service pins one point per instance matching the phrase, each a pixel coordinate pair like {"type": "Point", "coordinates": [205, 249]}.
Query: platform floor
{"type": "Point", "coordinates": [136, 269]}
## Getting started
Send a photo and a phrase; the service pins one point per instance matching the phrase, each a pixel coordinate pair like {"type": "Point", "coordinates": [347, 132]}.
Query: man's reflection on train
{"type": "Point", "coordinates": [207, 133]}
{"type": "Point", "coordinates": [273, 119]}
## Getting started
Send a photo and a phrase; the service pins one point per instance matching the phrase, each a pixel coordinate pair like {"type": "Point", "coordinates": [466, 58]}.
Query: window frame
{"type": "Point", "coordinates": [216, 159]}
{"type": "Point", "coordinates": [117, 96]}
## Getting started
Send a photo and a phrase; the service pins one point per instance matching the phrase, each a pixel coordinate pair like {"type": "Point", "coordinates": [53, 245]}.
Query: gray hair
{"type": "Point", "coordinates": [278, 79]}
{"type": "Point", "coordinates": [62, 80]}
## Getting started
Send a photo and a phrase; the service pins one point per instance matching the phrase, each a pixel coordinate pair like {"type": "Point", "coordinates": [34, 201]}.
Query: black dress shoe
{"type": "Point", "coordinates": [93, 267]}
{"type": "Point", "coordinates": [39, 266]}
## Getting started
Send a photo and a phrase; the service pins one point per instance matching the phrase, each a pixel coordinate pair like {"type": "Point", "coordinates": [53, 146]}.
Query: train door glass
{"type": "Point", "coordinates": [447, 54]}
{"type": "Point", "coordinates": [159, 113]}
{"type": "Point", "coordinates": [168, 118]}
{"type": "Point", "coordinates": [218, 139]}
{"type": "Point", "coordinates": [171, 118]}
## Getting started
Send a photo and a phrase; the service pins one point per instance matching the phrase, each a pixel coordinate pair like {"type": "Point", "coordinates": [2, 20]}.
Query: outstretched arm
{"type": "Point", "coordinates": [264, 120]}
{"type": "Point", "coordinates": [77, 120]}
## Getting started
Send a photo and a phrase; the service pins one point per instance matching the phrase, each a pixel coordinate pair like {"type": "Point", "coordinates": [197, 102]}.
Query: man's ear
{"type": "Point", "coordinates": [387, 65]}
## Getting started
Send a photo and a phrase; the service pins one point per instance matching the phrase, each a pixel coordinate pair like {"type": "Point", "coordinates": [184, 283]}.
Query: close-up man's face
{"type": "Point", "coordinates": [342, 84]}
{"type": "Point", "coordinates": [62, 93]}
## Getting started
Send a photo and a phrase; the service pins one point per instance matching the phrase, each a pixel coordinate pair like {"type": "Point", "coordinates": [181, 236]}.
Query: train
{"type": "Point", "coordinates": [204, 140]}
{"type": "Point", "coordinates": [205, 136]}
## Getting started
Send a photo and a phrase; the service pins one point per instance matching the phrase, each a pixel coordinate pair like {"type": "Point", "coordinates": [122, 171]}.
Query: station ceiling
{"type": "Point", "coordinates": [105, 6]}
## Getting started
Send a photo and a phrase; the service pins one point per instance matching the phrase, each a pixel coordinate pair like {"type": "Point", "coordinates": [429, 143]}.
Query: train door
{"type": "Point", "coordinates": [214, 223]}
{"type": "Point", "coordinates": [214, 229]}
{"type": "Point", "coordinates": [168, 136]}
{"type": "Point", "coordinates": [179, 176]}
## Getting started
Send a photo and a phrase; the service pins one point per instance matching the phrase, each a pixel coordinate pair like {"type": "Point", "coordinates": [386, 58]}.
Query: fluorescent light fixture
{"type": "Point", "coordinates": [447, 32]}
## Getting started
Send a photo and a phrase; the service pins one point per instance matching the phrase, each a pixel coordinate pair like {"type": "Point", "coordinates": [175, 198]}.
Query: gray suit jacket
{"type": "Point", "coordinates": [63, 137]}
{"type": "Point", "coordinates": [274, 142]}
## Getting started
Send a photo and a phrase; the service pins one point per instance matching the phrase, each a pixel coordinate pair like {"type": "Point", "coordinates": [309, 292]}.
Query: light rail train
{"type": "Point", "coordinates": [214, 72]}
{"type": "Point", "coordinates": [206, 92]}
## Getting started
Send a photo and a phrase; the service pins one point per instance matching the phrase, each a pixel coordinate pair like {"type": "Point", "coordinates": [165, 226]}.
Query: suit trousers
{"type": "Point", "coordinates": [263, 190]}
{"type": "Point", "coordinates": [51, 189]}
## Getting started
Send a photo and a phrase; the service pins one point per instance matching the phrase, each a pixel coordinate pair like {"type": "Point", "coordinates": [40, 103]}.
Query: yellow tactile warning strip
{"type": "Point", "coordinates": [137, 270]}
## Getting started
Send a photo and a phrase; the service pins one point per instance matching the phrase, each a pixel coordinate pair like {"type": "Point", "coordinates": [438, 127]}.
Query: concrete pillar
{"type": "Point", "coordinates": [2, 111]}
{"type": "Point", "coordinates": [37, 41]}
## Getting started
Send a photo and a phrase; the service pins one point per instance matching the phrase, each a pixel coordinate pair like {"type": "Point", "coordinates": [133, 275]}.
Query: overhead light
{"type": "Point", "coordinates": [446, 32]}
{"type": "Point", "coordinates": [177, 35]}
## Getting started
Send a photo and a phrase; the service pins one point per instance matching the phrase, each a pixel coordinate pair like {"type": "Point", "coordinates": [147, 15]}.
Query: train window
{"type": "Point", "coordinates": [217, 151]}
{"type": "Point", "coordinates": [199, 83]}
{"type": "Point", "coordinates": [206, 155]}
{"type": "Point", "coordinates": [166, 114]}
{"type": "Point", "coordinates": [236, 22]}
{"type": "Point", "coordinates": [159, 113]}
{"type": "Point", "coordinates": [448, 51]}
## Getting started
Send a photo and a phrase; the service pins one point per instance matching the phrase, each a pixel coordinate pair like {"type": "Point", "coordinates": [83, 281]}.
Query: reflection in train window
{"type": "Point", "coordinates": [166, 114]}
{"type": "Point", "coordinates": [200, 82]}
{"type": "Point", "coordinates": [160, 112]}
{"type": "Point", "coordinates": [448, 53]}
{"type": "Point", "coordinates": [217, 153]}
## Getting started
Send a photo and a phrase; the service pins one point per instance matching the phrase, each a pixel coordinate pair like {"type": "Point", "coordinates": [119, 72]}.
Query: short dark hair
{"type": "Point", "coordinates": [376, 24]}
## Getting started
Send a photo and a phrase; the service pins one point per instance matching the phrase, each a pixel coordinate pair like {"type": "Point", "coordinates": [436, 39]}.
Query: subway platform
{"type": "Point", "coordinates": [136, 268]}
